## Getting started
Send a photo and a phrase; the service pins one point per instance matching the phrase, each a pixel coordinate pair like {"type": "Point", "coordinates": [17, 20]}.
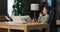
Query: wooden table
{"type": "Point", "coordinates": [57, 22]}
{"type": "Point", "coordinates": [26, 27]}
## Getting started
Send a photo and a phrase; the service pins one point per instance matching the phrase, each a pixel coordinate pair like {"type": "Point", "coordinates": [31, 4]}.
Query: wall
{"type": "Point", "coordinates": [58, 10]}
{"type": "Point", "coordinates": [27, 10]}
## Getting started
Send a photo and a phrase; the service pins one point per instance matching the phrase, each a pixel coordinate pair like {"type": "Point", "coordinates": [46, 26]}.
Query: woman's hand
{"type": "Point", "coordinates": [41, 15]}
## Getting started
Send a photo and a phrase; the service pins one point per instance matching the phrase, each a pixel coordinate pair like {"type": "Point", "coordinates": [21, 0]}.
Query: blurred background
{"type": "Point", "coordinates": [22, 7]}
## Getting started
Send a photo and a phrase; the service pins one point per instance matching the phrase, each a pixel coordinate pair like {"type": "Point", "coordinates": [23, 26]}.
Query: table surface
{"type": "Point", "coordinates": [1, 23]}
{"type": "Point", "coordinates": [57, 22]}
{"type": "Point", "coordinates": [25, 26]}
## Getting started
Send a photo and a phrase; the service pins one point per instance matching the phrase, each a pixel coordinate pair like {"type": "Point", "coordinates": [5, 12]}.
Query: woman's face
{"type": "Point", "coordinates": [44, 11]}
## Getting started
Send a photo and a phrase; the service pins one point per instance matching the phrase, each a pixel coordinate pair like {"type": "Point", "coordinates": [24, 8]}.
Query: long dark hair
{"type": "Point", "coordinates": [48, 8]}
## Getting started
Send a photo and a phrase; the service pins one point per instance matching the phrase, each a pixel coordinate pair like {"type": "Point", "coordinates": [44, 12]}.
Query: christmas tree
{"type": "Point", "coordinates": [18, 7]}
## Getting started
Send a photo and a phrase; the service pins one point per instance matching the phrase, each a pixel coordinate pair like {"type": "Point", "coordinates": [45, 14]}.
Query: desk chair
{"type": "Point", "coordinates": [52, 21]}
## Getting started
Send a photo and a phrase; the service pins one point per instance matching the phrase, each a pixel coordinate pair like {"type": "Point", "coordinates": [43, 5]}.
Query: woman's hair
{"type": "Point", "coordinates": [47, 8]}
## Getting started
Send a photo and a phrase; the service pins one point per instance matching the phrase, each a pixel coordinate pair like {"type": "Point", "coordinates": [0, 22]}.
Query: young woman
{"type": "Point", "coordinates": [45, 17]}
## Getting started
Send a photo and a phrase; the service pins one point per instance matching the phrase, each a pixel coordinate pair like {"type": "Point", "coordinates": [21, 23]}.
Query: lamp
{"type": "Point", "coordinates": [34, 7]}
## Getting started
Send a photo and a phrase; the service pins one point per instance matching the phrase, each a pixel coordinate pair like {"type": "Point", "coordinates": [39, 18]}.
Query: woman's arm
{"type": "Point", "coordinates": [45, 19]}
{"type": "Point", "coordinates": [40, 19]}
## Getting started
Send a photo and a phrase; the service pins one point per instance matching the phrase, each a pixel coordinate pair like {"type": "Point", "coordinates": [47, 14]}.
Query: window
{"type": "Point", "coordinates": [49, 2]}
{"type": "Point", "coordinates": [10, 7]}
